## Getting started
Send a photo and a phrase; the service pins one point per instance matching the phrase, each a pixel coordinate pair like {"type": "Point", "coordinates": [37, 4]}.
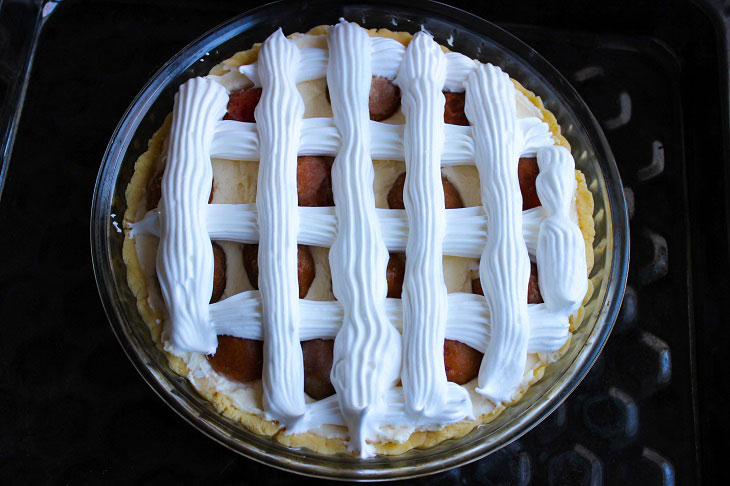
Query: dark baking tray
{"type": "Point", "coordinates": [72, 409]}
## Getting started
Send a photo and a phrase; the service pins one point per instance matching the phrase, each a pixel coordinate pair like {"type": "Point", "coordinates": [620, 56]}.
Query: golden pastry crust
{"type": "Point", "coordinates": [144, 170]}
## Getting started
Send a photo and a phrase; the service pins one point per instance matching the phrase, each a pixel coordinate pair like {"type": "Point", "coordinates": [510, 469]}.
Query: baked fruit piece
{"type": "Point", "coordinates": [527, 171]}
{"type": "Point", "coordinates": [314, 181]}
{"type": "Point", "coordinates": [219, 273]}
{"type": "Point", "coordinates": [305, 267]}
{"type": "Point", "coordinates": [454, 109]}
{"type": "Point", "coordinates": [462, 362]}
{"type": "Point", "coordinates": [241, 105]}
{"type": "Point", "coordinates": [317, 354]}
{"type": "Point", "coordinates": [394, 274]}
{"type": "Point", "coordinates": [384, 99]}
{"type": "Point", "coordinates": [452, 198]}
{"type": "Point", "coordinates": [238, 359]}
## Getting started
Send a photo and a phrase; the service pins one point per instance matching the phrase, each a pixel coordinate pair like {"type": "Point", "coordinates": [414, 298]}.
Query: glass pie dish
{"type": "Point", "coordinates": [463, 33]}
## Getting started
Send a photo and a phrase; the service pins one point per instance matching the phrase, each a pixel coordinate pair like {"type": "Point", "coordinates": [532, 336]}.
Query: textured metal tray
{"type": "Point", "coordinates": [651, 410]}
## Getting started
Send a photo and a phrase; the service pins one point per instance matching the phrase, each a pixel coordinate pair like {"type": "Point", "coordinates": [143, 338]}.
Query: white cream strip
{"type": "Point", "coordinates": [185, 255]}
{"type": "Point", "coordinates": [367, 348]}
{"type": "Point", "coordinates": [236, 140]}
{"type": "Point", "coordinates": [467, 320]}
{"type": "Point", "coordinates": [429, 398]}
{"type": "Point", "coordinates": [504, 268]}
{"type": "Point", "coordinates": [279, 115]}
{"type": "Point", "coordinates": [387, 56]}
{"type": "Point", "coordinates": [466, 228]}
{"type": "Point", "coordinates": [561, 257]}
{"type": "Point", "coordinates": [327, 411]}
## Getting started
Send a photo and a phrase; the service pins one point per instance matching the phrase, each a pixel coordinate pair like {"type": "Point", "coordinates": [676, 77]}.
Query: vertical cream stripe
{"type": "Point", "coordinates": [185, 254]}
{"type": "Point", "coordinates": [427, 393]}
{"type": "Point", "coordinates": [367, 348]}
{"type": "Point", "coordinates": [279, 118]}
{"type": "Point", "coordinates": [504, 268]}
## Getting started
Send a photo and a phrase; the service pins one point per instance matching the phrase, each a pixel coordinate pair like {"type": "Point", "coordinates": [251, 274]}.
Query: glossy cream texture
{"type": "Point", "coordinates": [368, 326]}
{"type": "Point", "coordinates": [465, 233]}
{"type": "Point", "coordinates": [467, 320]}
{"type": "Point", "coordinates": [358, 257]}
{"type": "Point", "coordinates": [278, 116]}
{"type": "Point", "coordinates": [560, 247]}
{"type": "Point", "coordinates": [235, 140]}
{"type": "Point", "coordinates": [185, 254]}
{"type": "Point", "coordinates": [428, 396]}
{"type": "Point", "coordinates": [387, 58]}
{"type": "Point", "coordinates": [504, 268]}
{"type": "Point", "coordinates": [387, 53]}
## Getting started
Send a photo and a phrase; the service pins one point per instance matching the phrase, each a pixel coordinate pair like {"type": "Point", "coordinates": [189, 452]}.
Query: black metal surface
{"type": "Point", "coordinates": [72, 409]}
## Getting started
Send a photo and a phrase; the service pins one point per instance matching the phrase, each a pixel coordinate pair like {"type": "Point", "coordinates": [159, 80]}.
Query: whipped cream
{"type": "Point", "coordinates": [185, 255]}
{"type": "Point", "coordinates": [358, 256]}
{"type": "Point", "coordinates": [504, 268]}
{"type": "Point", "coordinates": [279, 117]}
{"type": "Point", "coordinates": [560, 247]}
{"type": "Point", "coordinates": [428, 396]}
{"type": "Point", "coordinates": [467, 320]}
{"type": "Point", "coordinates": [387, 58]}
{"type": "Point", "coordinates": [465, 234]}
{"type": "Point", "coordinates": [234, 140]}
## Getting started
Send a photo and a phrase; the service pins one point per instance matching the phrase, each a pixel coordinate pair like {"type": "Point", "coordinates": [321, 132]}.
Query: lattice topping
{"type": "Point", "coordinates": [369, 349]}
{"type": "Point", "coordinates": [358, 256]}
{"type": "Point", "coordinates": [504, 268]}
{"type": "Point", "coordinates": [239, 141]}
{"type": "Point", "coordinates": [278, 117]}
{"type": "Point", "coordinates": [387, 58]}
{"type": "Point", "coordinates": [560, 246]}
{"type": "Point", "coordinates": [427, 392]}
{"type": "Point", "coordinates": [465, 236]}
{"type": "Point", "coordinates": [185, 255]}
{"type": "Point", "coordinates": [467, 320]}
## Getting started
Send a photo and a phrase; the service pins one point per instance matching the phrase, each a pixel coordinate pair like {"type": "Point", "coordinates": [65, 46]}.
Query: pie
{"type": "Point", "coordinates": [358, 241]}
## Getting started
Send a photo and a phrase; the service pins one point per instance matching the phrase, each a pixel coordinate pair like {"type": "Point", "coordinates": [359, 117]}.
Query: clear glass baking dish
{"type": "Point", "coordinates": [462, 32]}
